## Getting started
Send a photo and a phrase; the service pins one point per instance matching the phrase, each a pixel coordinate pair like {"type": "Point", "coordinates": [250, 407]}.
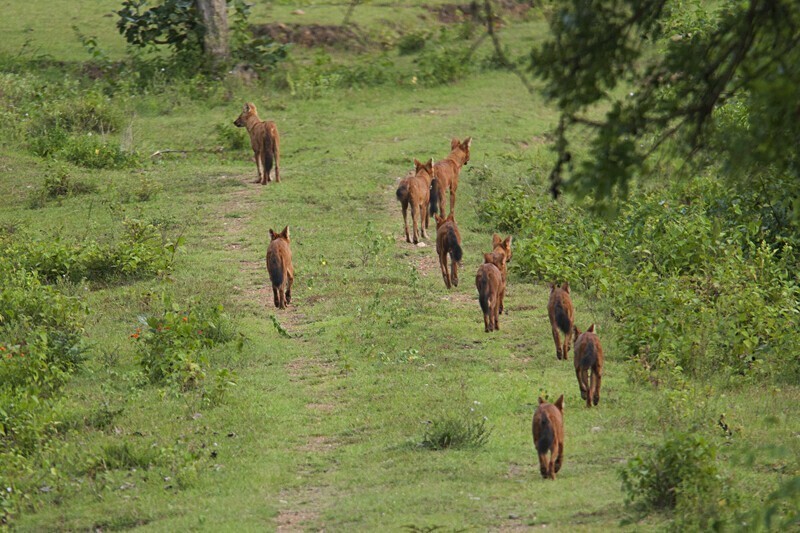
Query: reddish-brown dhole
{"type": "Point", "coordinates": [503, 246]}
{"type": "Point", "coordinates": [447, 171]}
{"type": "Point", "coordinates": [448, 242]}
{"type": "Point", "coordinates": [589, 357]}
{"type": "Point", "coordinates": [264, 140]}
{"type": "Point", "coordinates": [280, 268]}
{"type": "Point", "coordinates": [548, 436]}
{"type": "Point", "coordinates": [490, 282]}
{"type": "Point", "coordinates": [414, 191]}
{"type": "Point", "coordinates": [562, 318]}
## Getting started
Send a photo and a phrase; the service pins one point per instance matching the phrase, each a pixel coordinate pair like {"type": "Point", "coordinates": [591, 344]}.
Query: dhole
{"type": "Point", "coordinates": [448, 241]}
{"type": "Point", "coordinates": [415, 191]}
{"type": "Point", "coordinates": [589, 356]}
{"type": "Point", "coordinates": [490, 282]}
{"type": "Point", "coordinates": [447, 172]}
{"type": "Point", "coordinates": [548, 435]}
{"type": "Point", "coordinates": [264, 140]}
{"type": "Point", "coordinates": [562, 317]}
{"type": "Point", "coordinates": [279, 266]}
{"type": "Point", "coordinates": [503, 246]}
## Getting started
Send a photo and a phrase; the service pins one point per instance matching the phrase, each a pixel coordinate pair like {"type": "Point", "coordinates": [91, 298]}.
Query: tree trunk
{"type": "Point", "coordinates": [214, 14]}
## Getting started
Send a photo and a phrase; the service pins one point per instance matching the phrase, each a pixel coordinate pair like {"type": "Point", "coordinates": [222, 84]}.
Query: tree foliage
{"type": "Point", "coordinates": [174, 22]}
{"type": "Point", "coordinates": [718, 83]}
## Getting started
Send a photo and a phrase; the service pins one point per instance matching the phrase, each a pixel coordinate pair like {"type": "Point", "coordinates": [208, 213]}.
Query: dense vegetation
{"type": "Point", "coordinates": [139, 353]}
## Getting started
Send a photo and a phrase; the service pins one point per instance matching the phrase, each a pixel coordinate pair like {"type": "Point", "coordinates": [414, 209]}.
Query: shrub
{"type": "Point", "coordinates": [681, 475]}
{"type": "Point", "coordinates": [441, 65]}
{"type": "Point", "coordinates": [171, 342]}
{"type": "Point", "coordinates": [413, 42]}
{"type": "Point", "coordinates": [456, 431]}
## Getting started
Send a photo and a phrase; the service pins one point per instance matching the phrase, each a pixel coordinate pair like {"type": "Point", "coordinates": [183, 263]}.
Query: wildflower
{"type": "Point", "coordinates": [186, 319]}
{"type": "Point", "coordinates": [199, 331]}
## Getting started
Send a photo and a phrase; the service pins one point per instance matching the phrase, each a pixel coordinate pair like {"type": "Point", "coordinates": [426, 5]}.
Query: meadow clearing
{"type": "Point", "coordinates": [189, 402]}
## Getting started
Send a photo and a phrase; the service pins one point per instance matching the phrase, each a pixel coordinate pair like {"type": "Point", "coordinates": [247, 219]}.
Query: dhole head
{"type": "Point", "coordinates": [498, 259]}
{"type": "Point", "coordinates": [247, 110]}
{"type": "Point", "coordinates": [464, 146]}
{"type": "Point", "coordinates": [282, 235]}
{"type": "Point", "coordinates": [428, 167]}
{"type": "Point", "coordinates": [505, 244]}
{"type": "Point", "coordinates": [564, 287]}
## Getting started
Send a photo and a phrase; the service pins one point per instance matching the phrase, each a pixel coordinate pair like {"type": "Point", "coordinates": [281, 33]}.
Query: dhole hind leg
{"type": "Point", "coordinates": [557, 339]}
{"type": "Point", "coordinates": [275, 297]}
{"type": "Point", "coordinates": [560, 458]}
{"type": "Point", "coordinates": [453, 188]}
{"type": "Point", "coordinates": [289, 288]}
{"type": "Point", "coordinates": [595, 389]}
{"type": "Point", "coordinates": [443, 268]}
{"type": "Point", "coordinates": [405, 220]}
{"type": "Point", "coordinates": [454, 272]}
{"type": "Point", "coordinates": [259, 168]}
{"type": "Point", "coordinates": [543, 465]}
{"type": "Point", "coordinates": [584, 392]}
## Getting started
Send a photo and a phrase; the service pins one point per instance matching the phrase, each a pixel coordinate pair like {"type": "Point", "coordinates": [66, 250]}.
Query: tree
{"type": "Point", "coordinates": [717, 85]}
{"type": "Point", "coordinates": [185, 25]}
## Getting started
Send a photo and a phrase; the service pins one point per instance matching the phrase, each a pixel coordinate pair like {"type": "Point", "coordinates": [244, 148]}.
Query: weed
{"type": "Point", "coordinates": [456, 431]}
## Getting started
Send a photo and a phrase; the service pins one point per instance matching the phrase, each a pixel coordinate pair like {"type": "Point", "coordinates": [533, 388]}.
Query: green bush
{"type": "Point", "coordinates": [682, 475]}
{"type": "Point", "coordinates": [413, 42]}
{"type": "Point", "coordinates": [171, 343]}
{"type": "Point", "coordinates": [143, 251]}
{"type": "Point", "coordinates": [456, 431]}
{"type": "Point", "coordinates": [440, 65]}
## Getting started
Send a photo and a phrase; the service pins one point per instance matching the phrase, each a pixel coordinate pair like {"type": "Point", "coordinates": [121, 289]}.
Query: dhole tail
{"type": "Point", "coordinates": [434, 201]}
{"type": "Point", "coordinates": [562, 319]}
{"type": "Point", "coordinates": [269, 154]}
{"type": "Point", "coordinates": [456, 252]}
{"type": "Point", "coordinates": [589, 358]}
{"type": "Point", "coordinates": [275, 273]}
{"type": "Point", "coordinates": [483, 295]}
{"type": "Point", "coordinates": [402, 191]}
{"type": "Point", "coordinates": [546, 435]}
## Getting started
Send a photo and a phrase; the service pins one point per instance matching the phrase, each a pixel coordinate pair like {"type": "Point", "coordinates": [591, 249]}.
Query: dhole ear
{"type": "Point", "coordinates": [439, 219]}
{"type": "Point", "coordinates": [467, 142]}
{"type": "Point", "coordinates": [285, 232]}
{"type": "Point", "coordinates": [565, 287]}
{"type": "Point", "coordinates": [507, 242]}
{"type": "Point", "coordinates": [591, 329]}
{"type": "Point", "coordinates": [246, 107]}
{"type": "Point", "coordinates": [552, 286]}
{"type": "Point", "coordinates": [417, 164]}
{"type": "Point", "coordinates": [541, 401]}
{"type": "Point", "coordinates": [560, 403]}
{"type": "Point", "coordinates": [429, 165]}
{"type": "Point", "coordinates": [271, 234]}
{"type": "Point", "coordinates": [454, 143]}
{"type": "Point", "coordinates": [496, 239]}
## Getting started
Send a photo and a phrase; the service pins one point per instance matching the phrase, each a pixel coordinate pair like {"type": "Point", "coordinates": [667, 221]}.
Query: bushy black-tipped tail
{"type": "Point", "coordinates": [269, 154]}
{"type": "Point", "coordinates": [456, 252]}
{"type": "Point", "coordinates": [276, 273]}
{"type": "Point", "coordinates": [483, 293]}
{"type": "Point", "coordinates": [562, 319]}
{"type": "Point", "coordinates": [589, 358]}
{"type": "Point", "coordinates": [546, 435]}
{"type": "Point", "coordinates": [402, 191]}
{"type": "Point", "coordinates": [434, 202]}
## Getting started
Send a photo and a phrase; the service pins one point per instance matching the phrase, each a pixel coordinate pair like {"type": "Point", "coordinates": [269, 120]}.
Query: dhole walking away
{"type": "Point", "coordinates": [490, 284]}
{"type": "Point", "coordinates": [447, 171]}
{"type": "Point", "coordinates": [448, 242]}
{"type": "Point", "coordinates": [589, 357]}
{"type": "Point", "coordinates": [548, 436]}
{"type": "Point", "coordinates": [414, 191]}
{"type": "Point", "coordinates": [279, 266]}
{"type": "Point", "coordinates": [562, 318]}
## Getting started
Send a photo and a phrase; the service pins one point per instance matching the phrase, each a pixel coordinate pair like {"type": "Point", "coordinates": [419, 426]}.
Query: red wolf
{"type": "Point", "coordinates": [414, 190]}
{"type": "Point", "coordinates": [264, 140]}
{"type": "Point", "coordinates": [548, 435]}
{"type": "Point", "coordinates": [279, 266]}
{"type": "Point", "coordinates": [562, 317]}
{"type": "Point", "coordinates": [447, 172]}
{"type": "Point", "coordinates": [589, 356]}
{"type": "Point", "coordinates": [490, 282]}
{"type": "Point", "coordinates": [448, 241]}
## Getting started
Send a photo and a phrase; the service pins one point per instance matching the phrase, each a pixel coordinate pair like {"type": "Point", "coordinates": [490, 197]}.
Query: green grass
{"type": "Point", "coordinates": [323, 428]}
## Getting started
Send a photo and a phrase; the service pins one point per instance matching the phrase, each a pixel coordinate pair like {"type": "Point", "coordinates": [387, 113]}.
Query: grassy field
{"type": "Point", "coordinates": [333, 396]}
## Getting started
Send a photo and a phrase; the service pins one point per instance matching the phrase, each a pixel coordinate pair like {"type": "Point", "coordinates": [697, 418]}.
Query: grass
{"type": "Point", "coordinates": [324, 426]}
